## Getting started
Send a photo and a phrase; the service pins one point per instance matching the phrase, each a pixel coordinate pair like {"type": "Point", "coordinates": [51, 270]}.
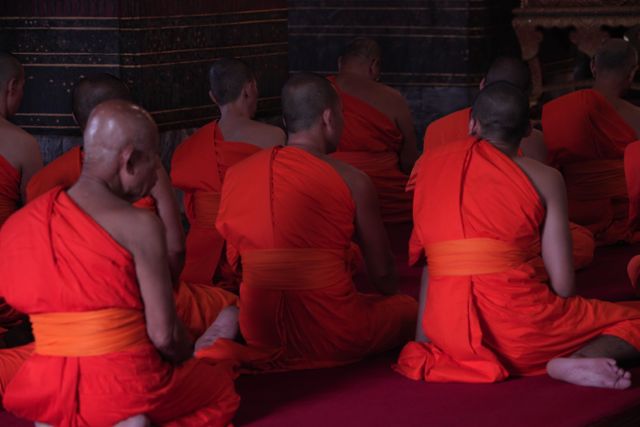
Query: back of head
{"type": "Point", "coordinates": [615, 57]}
{"type": "Point", "coordinates": [93, 90]}
{"type": "Point", "coordinates": [227, 77]}
{"type": "Point", "coordinates": [511, 70]}
{"type": "Point", "coordinates": [361, 49]}
{"type": "Point", "coordinates": [305, 96]}
{"type": "Point", "coordinates": [502, 111]}
{"type": "Point", "coordinates": [10, 68]}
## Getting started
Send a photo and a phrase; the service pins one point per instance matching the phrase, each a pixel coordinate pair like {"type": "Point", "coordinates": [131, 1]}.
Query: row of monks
{"type": "Point", "coordinates": [135, 323]}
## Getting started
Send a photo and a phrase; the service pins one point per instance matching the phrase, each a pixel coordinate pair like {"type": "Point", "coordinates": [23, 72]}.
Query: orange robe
{"type": "Point", "coordinates": [11, 360]}
{"type": "Point", "coordinates": [371, 142]}
{"type": "Point", "coordinates": [455, 126]}
{"type": "Point", "coordinates": [591, 144]}
{"type": "Point", "coordinates": [198, 168]}
{"type": "Point", "coordinates": [84, 382]}
{"type": "Point", "coordinates": [489, 313]}
{"type": "Point", "coordinates": [290, 217]}
{"type": "Point", "coordinates": [197, 305]}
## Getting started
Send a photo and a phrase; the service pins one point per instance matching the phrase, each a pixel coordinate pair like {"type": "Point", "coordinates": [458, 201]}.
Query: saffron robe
{"type": "Point", "coordinates": [72, 389]}
{"type": "Point", "coordinates": [455, 126]}
{"type": "Point", "coordinates": [592, 146]}
{"type": "Point", "coordinates": [371, 142]}
{"type": "Point", "coordinates": [290, 218]}
{"type": "Point", "coordinates": [11, 360]}
{"type": "Point", "coordinates": [198, 168]}
{"type": "Point", "coordinates": [489, 313]}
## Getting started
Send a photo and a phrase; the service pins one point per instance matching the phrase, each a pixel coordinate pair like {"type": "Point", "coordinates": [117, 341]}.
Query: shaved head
{"type": "Point", "coordinates": [511, 70]}
{"type": "Point", "coordinates": [305, 97]}
{"type": "Point", "coordinates": [93, 90]}
{"type": "Point", "coordinates": [227, 77]}
{"type": "Point", "coordinates": [10, 68]}
{"type": "Point", "coordinates": [502, 111]}
{"type": "Point", "coordinates": [361, 49]}
{"type": "Point", "coordinates": [616, 56]}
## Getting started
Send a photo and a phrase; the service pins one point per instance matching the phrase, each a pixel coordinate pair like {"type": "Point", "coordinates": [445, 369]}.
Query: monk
{"type": "Point", "coordinates": [198, 305]}
{"type": "Point", "coordinates": [109, 346]}
{"type": "Point", "coordinates": [590, 134]}
{"type": "Point", "coordinates": [199, 165]}
{"type": "Point", "coordinates": [291, 214]}
{"type": "Point", "coordinates": [483, 215]}
{"type": "Point", "coordinates": [379, 137]}
{"type": "Point", "coordinates": [19, 152]}
{"type": "Point", "coordinates": [455, 126]}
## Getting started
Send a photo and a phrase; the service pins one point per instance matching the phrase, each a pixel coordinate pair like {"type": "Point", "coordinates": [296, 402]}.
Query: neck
{"type": "Point", "coordinates": [509, 150]}
{"type": "Point", "coordinates": [609, 88]}
{"type": "Point", "coordinates": [234, 111]}
{"type": "Point", "coordinates": [355, 71]}
{"type": "Point", "coordinates": [308, 141]}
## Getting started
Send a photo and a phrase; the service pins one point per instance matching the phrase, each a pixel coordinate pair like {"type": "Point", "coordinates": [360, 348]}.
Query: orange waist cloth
{"type": "Point", "coordinates": [595, 179]}
{"type": "Point", "coordinates": [296, 269]}
{"type": "Point", "coordinates": [205, 207]}
{"type": "Point", "coordinates": [471, 257]}
{"type": "Point", "coordinates": [88, 333]}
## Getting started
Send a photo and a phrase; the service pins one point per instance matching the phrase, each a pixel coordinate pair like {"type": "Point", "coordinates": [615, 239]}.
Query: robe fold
{"type": "Point", "coordinates": [93, 363]}
{"type": "Point", "coordinates": [454, 127]}
{"type": "Point", "coordinates": [591, 144]}
{"type": "Point", "coordinates": [198, 168]}
{"type": "Point", "coordinates": [290, 217]}
{"type": "Point", "coordinates": [11, 359]}
{"type": "Point", "coordinates": [489, 313]}
{"type": "Point", "coordinates": [371, 142]}
{"type": "Point", "coordinates": [64, 171]}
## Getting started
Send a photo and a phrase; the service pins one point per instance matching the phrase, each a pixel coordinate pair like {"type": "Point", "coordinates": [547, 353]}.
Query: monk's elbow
{"type": "Point", "coordinates": [162, 340]}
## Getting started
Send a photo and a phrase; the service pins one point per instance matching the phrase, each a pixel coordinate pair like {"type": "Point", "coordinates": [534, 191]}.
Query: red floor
{"type": "Point", "coordinates": [370, 393]}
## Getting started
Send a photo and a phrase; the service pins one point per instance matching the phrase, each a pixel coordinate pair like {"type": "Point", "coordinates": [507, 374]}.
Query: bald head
{"type": "Point", "coordinates": [115, 124]}
{"type": "Point", "coordinates": [10, 68]}
{"type": "Point", "coordinates": [616, 57]}
{"type": "Point", "coordinates": [227, 78]}
{"type": "Point", "coordinates": [93, 90]}
{"type": "Point", "coordinates": [511, 70]}
{"type": "Point", "coordinates": [305, 97]}
{"type": "Point", "coordinates": [361, 50]}
{"type": "Point", "coordinates": [502, 112]}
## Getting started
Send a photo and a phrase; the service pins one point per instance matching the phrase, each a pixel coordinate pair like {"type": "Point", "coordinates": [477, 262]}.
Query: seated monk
{"type": "Point", "coordinates": [19, 160]}
{"type": "Point", "coordinates": [590, 134]}
{"type": "Point", "coordinates": [197, 304]}
{"type": "Point", "coordinates": [379, 137]}
{"type": "Point", "coordinates": [200, 163]}
{"type": "Point", "coordinates": [109, 346]}
{"type": "Point", "coordinates": [290, 213]}
{"type": "Point", "coordinates": [455, 126]}
{"type": "Point", "coordinates": [483, 215]}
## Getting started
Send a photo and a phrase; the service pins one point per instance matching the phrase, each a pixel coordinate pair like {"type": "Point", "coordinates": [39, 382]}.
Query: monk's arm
{"type": "Point", "coordinates": [148, 247]}
{"type": "Point", "coordinates": [533, 146]}
{"type": "Point", "coordinates": [372, 236]}
{"type": "Point", "coordinates": [31, 163]}
{"type": "Point", "coordinates": [424, 286]}
{"type": "Point", "coordinates": [556, 236]}
{"type": "Point", "coordinates": [169, 213]}
{"type": "Point", "coordinates": [409, 151]}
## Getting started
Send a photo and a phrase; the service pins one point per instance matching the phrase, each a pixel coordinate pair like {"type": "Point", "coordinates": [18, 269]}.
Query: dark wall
{"type": "Point", "coordinates": [434, 51]}
{"type": "Point", "coordinates": [161, 48]}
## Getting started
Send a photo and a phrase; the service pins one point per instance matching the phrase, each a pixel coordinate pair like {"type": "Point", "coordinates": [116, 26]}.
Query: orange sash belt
{"type": "Point", "coordinates": [595, 179]}
{"type": "Point", "coordinates": [206, 206]}
{"type": "Point", "coordinates": [296, 269]}
{"type": "Point", "coordinates": [472, 257]}
{"type": "Point", "coordinates": [88, 333]}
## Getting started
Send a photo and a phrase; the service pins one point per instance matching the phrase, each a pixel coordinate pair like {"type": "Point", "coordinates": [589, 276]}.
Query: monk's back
{"type": "Point", "coordinates": [377, 95]}
{"type": "Point", "coordinates": [311, 205]}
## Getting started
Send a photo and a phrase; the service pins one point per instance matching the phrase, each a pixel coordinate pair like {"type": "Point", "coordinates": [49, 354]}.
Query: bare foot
{"type": "Point", "coordinates": [135, 421]}
{"type": "Point", "coordinates": [225, 326]}
{"type": "Point", "coordinates": [591, 372]}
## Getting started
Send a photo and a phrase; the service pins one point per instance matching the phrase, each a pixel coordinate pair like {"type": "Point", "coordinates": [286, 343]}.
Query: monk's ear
{"type": "Point", "coordinates": [483, 83]}
{"type": "Point", "coordinates": [593, 67]}
{"type": "Point", "coordinates": [473, 126]}
{"type": "Point", "coordinates": [128, 158]}
{"type": "Point", "coordinates": [213, 98]}
{"type": "Point", "coordinates": [632, 75]}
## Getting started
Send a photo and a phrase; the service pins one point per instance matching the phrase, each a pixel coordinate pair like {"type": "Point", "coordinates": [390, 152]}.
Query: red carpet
{"type": "Point", "coordinates": [370, 393]}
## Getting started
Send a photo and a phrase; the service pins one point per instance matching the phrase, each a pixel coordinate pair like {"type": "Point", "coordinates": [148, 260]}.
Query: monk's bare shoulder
{"type": "Point", "coordinates": [534, 147]}
{"type": "Point", "coordinates": [17, 146]}
{"type": "Point", "coordinates": [358, 182]}
{"type": "Point", "coordinates": [265, 135]}
{"type": "Point", "coordinates": [547, 181]}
